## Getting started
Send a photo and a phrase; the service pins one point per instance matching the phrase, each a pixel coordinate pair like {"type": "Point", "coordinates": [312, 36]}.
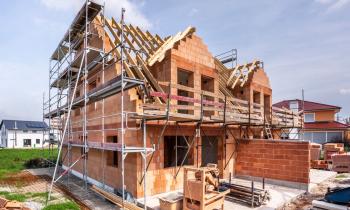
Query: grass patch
{"type": "Point", "coordinates": [13, 196]}
{"type": "Point", "coordinates": [13, 160]}
{"type": "Point", "coordinates": [37, 195]}
{"type": "Point", "coordinates": [63, 206]}
{"type": "Point", "coordinates": [23, 197]}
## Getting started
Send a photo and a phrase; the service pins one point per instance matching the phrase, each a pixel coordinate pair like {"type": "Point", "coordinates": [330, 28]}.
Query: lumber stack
{"type": "Point", "coordinates": [341, 163]}
{"type": "Point", "coordinates": [253, 197]}
{"type": "Point", "coordinates": [115, 199]}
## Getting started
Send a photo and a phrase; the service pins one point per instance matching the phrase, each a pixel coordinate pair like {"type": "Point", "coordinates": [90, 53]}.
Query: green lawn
{"type": "Point", "coordinates": [14, 160]}
{"type": "Point", "coordinates": [63, 206]}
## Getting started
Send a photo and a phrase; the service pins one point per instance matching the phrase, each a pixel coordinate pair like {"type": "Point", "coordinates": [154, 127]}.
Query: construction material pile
{"type": "Point", "coordinates": [115, 199]}
{"type": "Point", "coordinates": [332, 149]}
{"type": "Point", "coordinates": [251, 196]}
{"type": "Point", "coordinates": [334, 157]}
{"type": "Point", "coordinates": [315, 151]}
{"type": "Point", "coordinates": [315, 154]}
{"type": "Point", "coordinates": [13, 205]}
{"type": "Point", "coordinates": [341, 163]}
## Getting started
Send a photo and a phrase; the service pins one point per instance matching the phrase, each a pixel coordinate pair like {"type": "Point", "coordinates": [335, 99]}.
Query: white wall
{"type": "Point", "coordinates": [3, 137]}
{"type": "Point", "coordinates": [15, 139]}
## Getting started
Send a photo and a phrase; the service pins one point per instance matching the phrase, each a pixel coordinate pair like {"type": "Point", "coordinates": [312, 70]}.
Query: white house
{"type": "Point", "coordinates": [22, 134]}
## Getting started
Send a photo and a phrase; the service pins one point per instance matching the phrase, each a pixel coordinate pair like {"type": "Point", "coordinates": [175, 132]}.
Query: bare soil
{"type": "Point", "coordinates": [304, 201]}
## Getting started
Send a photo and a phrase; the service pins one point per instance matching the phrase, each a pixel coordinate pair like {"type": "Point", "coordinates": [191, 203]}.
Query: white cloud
{"type": "Point", "coordinates": [133, 13]}
{"type": "Point", "coordinates": [193, 12]}
{"type": "Point", "coordinates": [62, 4]}
{"type": "Point", "coordinates": [333, 5]}
{"type": "Point", "coordinates": [324, 1]}
{"type": "Point", "coordinates": [338, 5]}
{"type": "Point", "coordinates": [344, 91]}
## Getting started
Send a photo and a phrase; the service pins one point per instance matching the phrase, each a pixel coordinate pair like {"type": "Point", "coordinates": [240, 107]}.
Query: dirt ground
{"type": "Point", "coordinates": [304, 201]}
{"type": "Point", "coordinates": [24, 182]}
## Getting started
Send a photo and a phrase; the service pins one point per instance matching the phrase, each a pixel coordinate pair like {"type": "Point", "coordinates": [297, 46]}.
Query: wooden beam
{"type": "Point", "coordinates": [159, 39]}
{"type": "Point", "coordinates": [155, 41]}
{"type": "Point", "coordinates": [139, 36]}
{"type": "Point", "coordinates": [140, 74]}
{"type": "Point", "coordinates": [146, 38]}
{"type": "Point", "coordinates": [118, 27]}
{"type": "Point", "coordinates": [115, 199]}
{"type": "Point", "coordinates": [139, 44]}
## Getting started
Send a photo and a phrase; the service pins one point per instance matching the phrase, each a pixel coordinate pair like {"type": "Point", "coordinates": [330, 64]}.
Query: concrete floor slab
{"type": "Point", "coordinates": [279, 194]}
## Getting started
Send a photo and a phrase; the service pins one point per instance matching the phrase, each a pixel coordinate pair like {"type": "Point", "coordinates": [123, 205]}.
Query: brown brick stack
{"type": "Point", "coordinates": [332, 149]}
{"type": "Point", "coordinates": [319, 164]}
{"type": "Point", "coordinates": [341, 163]}
{"type": "Point", "coordinates": [281, 160]}
{"type": "Point", "coordinates": [315, 151]}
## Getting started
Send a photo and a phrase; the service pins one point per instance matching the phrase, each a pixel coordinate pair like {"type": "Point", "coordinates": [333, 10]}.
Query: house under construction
{"type": "Point", "coordinates": [133, 108]}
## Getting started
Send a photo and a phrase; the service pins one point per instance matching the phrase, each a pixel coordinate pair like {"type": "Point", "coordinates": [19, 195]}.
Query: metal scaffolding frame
{"type": "Point", "coordinates": [70, 67]}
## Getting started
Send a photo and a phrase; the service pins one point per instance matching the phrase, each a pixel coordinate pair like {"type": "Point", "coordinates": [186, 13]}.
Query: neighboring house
{"type": "Point", "coordinates": [320, 124]}
{"type": "Point", "coordinates": [21, 134]}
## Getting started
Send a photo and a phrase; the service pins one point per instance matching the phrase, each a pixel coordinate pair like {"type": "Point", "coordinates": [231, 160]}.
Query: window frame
{"type": "Point", "coordinates": [327, 135]}
{"type": "Point", "coordinates": [27, 145]}
{"type": "Point", "coordinates": [169, 143]}
{"type": "Point", "coordinates": [311, 113]}
{"type": "Point", "coordinates": [292, 108]}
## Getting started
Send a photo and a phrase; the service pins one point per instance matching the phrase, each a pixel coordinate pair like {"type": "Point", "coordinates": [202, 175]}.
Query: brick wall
{"type": "Point", "coordinates": [280, 160]}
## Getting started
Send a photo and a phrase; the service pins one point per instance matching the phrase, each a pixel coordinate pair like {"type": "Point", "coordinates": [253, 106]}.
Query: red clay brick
{"type": "Point", "coordinates": [287, 161]}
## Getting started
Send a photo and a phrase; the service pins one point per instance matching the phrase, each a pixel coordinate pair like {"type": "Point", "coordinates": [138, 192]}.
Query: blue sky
{"type": "Point", "coordinates": [303, 43]}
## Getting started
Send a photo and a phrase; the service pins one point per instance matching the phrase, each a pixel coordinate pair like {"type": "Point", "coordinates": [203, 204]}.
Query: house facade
{"type": "Point", "coordinates": [320, 123]}
{"type": "Point", "coordinates": [22, 134]}
{"type": "Point", "coordinates": [178, 101]}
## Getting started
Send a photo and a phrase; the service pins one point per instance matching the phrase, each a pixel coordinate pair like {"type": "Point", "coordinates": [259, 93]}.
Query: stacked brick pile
{"type": "Point", "coordinates": [11, 205]}
{"type": "Point", "coordinates": [341, 163]}
{"type": "Point", "coordinates": [319, 164]}
{"type": "Point", "coordinates": [332, 152]}
{"type": "Point", "coordinates": [315, 153]}
{"type": "Point", "coordinates": [332, 149]}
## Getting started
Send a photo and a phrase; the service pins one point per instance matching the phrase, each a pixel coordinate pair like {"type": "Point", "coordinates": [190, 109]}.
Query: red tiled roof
{"type": "Point", "coordinates": [325, 125]}
{"type": "Point", "coordinates": [308, 105]}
